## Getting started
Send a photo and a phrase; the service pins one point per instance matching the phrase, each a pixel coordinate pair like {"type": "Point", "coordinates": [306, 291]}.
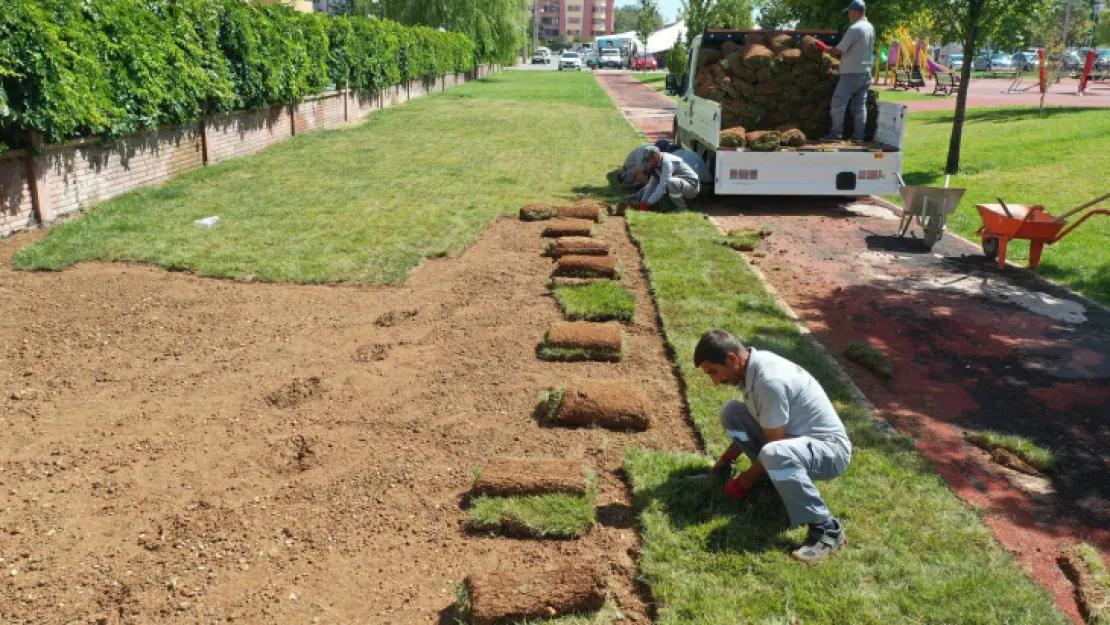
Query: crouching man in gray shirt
{"type": "Point", "coordinates": [789, 430]}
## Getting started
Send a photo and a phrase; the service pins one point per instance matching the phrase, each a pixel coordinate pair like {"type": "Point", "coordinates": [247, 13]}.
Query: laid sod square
{"type": "Point", "coordinates": [1014, 451]}
{"type": "Point", "coordinates": [553, 515]}
{"type": "Point", "coordinates": [1084, 567]}
{"type": "Point", "coordinates": [600, 301]}
{"type": "Point", "coordinates": [582, 340]}
{"type": "Point", "coordinates": [510, 477]}
{"type": "Point", "coordinates": [745, 239]}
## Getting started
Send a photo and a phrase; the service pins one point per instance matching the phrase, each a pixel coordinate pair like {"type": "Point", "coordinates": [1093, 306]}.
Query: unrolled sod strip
{"type": "Point", "coordinates": [587, 266]}
{"type": "Point", "coordinates": [616, 405]}
{"type": "Point", "coordinates": [508, 477]}
{"type": "Point", "coordinates": [577, 246]}
{"type": "Point", "coordinates": [513, 595]}
{"type": "Point", "coordinates": [569, 228]}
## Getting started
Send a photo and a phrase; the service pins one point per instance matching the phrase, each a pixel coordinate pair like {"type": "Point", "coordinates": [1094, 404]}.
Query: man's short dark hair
{"type": "Point", "coordinates": [714, 347]}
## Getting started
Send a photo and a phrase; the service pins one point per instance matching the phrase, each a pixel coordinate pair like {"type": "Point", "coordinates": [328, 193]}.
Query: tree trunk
{"type": "Point", "coordinates": [971, 34]}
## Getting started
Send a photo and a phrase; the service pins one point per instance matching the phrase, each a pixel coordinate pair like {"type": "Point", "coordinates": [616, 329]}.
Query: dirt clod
{"type": "Point", "coordinates": [587, 266]}
{"type": "Point", "coordinates": [569, 228]}
{"type": "Point", "coordinates": [372, 353]}
{"type": "Point", "coordinates": [295, 393]}
{"type": "Point", "coordinates": [514, 595]}
{"type": "Point", "coordinates": [393, 317]}
{"type": "Point", "coordinates": [609, 404]}
{"type": "Point", "coordinates": [585, 335]}
{"type": "Point", "coordinates": [507, 477]}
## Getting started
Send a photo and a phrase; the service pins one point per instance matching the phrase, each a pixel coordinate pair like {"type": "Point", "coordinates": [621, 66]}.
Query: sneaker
{"type": "Point", "coordinates": [822, 541]}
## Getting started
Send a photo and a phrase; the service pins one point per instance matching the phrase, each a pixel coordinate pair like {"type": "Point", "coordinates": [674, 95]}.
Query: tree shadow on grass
{"type": "Point", "coordinates": [1002, 115]}
{"type": "Point", "coordinates": [614, 191]}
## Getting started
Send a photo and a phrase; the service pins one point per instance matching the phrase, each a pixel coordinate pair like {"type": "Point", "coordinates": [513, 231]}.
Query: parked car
{"type": "Point", "coordinates": [1002, 64]}
{"type": "Point", "coordinates": [1102, 61]}
{"type": "Point", "coordinates": [643, 62]}
{"type": "Point", "coordinates": [542, 56]}
{"type": "Point", "coordinates": [956, 62]}
{"type": "Point", "coordinates": [981, 63]}
{"type": "Point", "coordinates": [1074, 60]}
{"type": "Point", "coordinates": [1027, 60]}
{"type": "Point", "coordinates": [570, 60]}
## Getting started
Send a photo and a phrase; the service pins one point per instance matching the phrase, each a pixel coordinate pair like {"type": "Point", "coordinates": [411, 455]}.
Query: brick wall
{"type": "Point", "coordinates": [240, 134]}
{"type": "Point", "coordinates": [63, 179]}
{"type": "Point", "coordinates": [16, 205]}
{"type": "Point", "coordinates": [73, 176]}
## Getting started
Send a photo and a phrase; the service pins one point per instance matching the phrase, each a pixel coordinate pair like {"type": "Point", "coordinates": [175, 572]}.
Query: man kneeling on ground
{"type": "Point", "coordinates": [789, 430]}
{"type": "Point", "coordinates": [666, 173]}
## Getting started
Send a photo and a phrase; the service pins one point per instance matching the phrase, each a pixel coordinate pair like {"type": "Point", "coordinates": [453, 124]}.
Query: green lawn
{"type": "Point", "coordinates": [599, 301]}
{"type": "Point", "coordinates": [655, 81]}
{"type": "Point", "coordinates": [556, 515]}
{"type": "Point", "coordinates": [366, 203]}
{"type": "Point", "coordinates": [1060, 161]}
{"type": "Point", "coordinates": [926, 93]}
{"type": "Point", "coordinates": [916, 553]}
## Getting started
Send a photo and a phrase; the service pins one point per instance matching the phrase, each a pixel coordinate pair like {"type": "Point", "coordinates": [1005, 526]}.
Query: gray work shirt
{"type": "Point", "coordinates": [632, 163]}
{"type": "Point", "coordinates": [670, 166]}
{"type": "Point", "coordinates": [778, 392]}
{"type": "Point", "coordinates": [696, 163]}
{"type": "Point", "coordinates": [858, 48]}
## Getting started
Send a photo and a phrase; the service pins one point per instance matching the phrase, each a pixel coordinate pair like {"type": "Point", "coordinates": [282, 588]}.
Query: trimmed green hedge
{"type": "Point", "coordinates": [114, 67]}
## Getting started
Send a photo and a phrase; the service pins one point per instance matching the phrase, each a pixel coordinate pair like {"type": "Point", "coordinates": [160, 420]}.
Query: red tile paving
{"type": "Point", "coordinates": [988, 93]}
{"type": "Point", "coordinates": [973, 348]}
{"type": "Point", "coordinates": [647, 109]}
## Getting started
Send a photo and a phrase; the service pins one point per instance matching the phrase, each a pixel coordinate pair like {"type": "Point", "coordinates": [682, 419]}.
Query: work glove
{"type": "Point", "coordinates": [736, 490]}
{"type": "Point", "coordinates": [723, 468]}
{"type": "Point", "coordinates": [644, 206]}
{"type": "Point", "coordinates": [822, 46]}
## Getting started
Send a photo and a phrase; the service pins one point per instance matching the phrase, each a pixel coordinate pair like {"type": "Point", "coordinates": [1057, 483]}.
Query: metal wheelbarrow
{"type": "Point", "coordinates": [1004, 222]}
{"type": "Point", "coordinates": [929, 206]}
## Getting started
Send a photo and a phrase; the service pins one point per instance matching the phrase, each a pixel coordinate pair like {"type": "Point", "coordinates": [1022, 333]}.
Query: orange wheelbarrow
{"type": "Point", "coordinates": [1003, 223]}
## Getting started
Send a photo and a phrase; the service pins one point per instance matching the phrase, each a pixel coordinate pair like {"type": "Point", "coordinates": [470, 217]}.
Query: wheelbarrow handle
{"type": "Point", "coordinates": [1082, 206]}
{"type": "Point", "coordinates": [1005, 208]}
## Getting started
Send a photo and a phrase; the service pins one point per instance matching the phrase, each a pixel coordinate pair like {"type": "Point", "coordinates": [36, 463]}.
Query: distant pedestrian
{"type": "Point", "coordinates": [789, 430]}
{"type": "Point", "coordinates": [857, 56]}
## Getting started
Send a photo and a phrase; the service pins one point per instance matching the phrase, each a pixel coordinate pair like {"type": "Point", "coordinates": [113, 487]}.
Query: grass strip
{"type": "Point", "coordinates": [1085, 568]}
{"type": "Point", "coordinates": [870, 358]}
{"type": "Point", "coordinates": [317, 208]}
{"type": "Point", "coordinates": [599, 301]}
{"type": "Point", "coordinates": [917, 554]}
{"type": "Point", "coordinates": [557, 515]}
{"type": "Point", "coordinates": [1032, 454]}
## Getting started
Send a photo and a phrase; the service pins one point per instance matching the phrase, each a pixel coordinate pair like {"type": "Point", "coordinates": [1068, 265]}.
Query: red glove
{"type": "Point", "coordinates": [822, 46]}
{"type": "Point", "coordinates": [736, 490]}
{"type": "Point", "coordinates": [644, 206]}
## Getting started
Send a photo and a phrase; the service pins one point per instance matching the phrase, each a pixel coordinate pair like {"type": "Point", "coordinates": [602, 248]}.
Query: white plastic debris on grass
{"type": "Point", "coordinates": [207, 222]}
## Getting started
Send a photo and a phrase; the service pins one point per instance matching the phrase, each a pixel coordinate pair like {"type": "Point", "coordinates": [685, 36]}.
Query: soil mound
{"type": "Point", "coordinates": [511, 595]}
{"type": "Point", "coordinates": [585, 335]}
{"type": "Point", "coordinates": [537, 212]}
{"type": "Point", "coordinates": [610, 404]}
{"type": "Point", "coordinates": [579, 211]}
{"type": "Point", "coordinates": [569, 228]}
{"type": "Point", "coordinates": [578, 246]}
{"type": "Point", "coordinates": [295, 393]}
{"type": "Point", "coordinates": [508, 477]}
{"type": "Point", "coordinates": [587, 266]}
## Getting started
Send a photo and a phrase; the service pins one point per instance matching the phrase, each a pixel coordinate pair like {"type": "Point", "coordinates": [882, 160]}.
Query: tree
{"type": "Point", "coordinates": [774, 15]}
{"type": "Point", "coordinates": [731, 14]}
{"type": "Point", "coordinates": [1102, 31]}
{"type": "Point", "coordinates": [495, 26]}
{"type": "Point", "coordinates": [971, 22]}
{"type": "Point", "coordinates": [676, 57]}
{"type": "Point", "coordinates": [830, 14]}
{"type": "Point", "coordinates": [696, 13]}
{"type": "Point", "coordinates": [624, 18]}
{"type": "Point", "coordinates": [645, 20]}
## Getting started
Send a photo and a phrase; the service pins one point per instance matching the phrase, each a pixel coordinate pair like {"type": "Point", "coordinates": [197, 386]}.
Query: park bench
{"type": "Point", "coordinates": [907, 80]}
{"type": "Point", "coordinates": [947, 83]}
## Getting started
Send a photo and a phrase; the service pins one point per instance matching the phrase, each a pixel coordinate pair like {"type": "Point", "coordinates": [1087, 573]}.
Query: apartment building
{"type": "Point", "coordinates": [304, 6]}
{"type": "Point", "coordinates": [575, 18]}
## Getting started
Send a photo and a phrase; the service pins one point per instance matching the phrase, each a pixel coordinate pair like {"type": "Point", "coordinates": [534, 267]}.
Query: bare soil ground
{"type": "Point", "coordinates": [183, 450]}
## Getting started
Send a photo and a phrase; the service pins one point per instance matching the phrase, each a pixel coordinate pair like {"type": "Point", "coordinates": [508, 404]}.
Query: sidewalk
{"type": "Point", "coordinates": [990, 93]}
{"type": "Point", "coordinates": [972, 348]}
{"type": "Point", "coordinates": [650, 111]}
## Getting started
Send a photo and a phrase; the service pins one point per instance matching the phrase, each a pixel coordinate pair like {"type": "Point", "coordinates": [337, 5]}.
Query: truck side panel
{"type": "Point", "coordinates": [807, 173]}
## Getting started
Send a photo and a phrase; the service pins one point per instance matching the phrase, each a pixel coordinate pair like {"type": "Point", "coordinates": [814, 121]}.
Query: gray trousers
{"type": "Point", "coordinates": [678, 189]}
{"type": "Point", "coordinates": [792, 464]}
{"type": "Point", "coordinates": [850, 89]}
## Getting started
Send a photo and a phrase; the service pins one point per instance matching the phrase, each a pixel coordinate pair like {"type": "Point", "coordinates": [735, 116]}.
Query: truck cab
{"type": "Point", "coordinates": [812, 169]}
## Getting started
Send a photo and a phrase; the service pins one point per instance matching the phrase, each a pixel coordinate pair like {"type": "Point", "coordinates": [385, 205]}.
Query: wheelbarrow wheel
{"type": "Point", "coordinates": [990, 247]}
{"type": "Point", "coordinates": [934, 229]}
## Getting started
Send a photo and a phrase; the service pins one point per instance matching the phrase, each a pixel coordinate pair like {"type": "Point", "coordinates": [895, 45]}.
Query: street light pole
{"type": "Point", "coordinates": [535, 25]}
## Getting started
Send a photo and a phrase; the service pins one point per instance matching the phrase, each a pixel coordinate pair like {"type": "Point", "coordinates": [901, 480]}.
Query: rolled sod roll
{"type": "Point", "coordinates": [710, 56]}
{"type": "Point", "coordinates": [809, 48]}
{"type": "Point", "coordinates": [587, 266]}
{"type": "Point", "coordinates": [792, 56]}
{"type": "Point", "coordinates": [764, 75]}
{"type": "Point", "coordinates": [537, 212]}
{"type": "Point", "coordinates": [763, 139]}
{"type": "Point", "coordinates": [758, 56]}
{"type": "Point", "coordinates": [733, 137]}
{"type": "Point", "coordinates": [585, 335]}
{"type": "Point", "coordinates": [791, 136]}
{"type": "Point", "coordinates": [729, 47]}
{"type": "Point", "coordinates": [599, 204]}
{"type": "Point", "coordinates": [577, 246]}
{"type": "Point", "coordinates": [610, 404]}
{"type": "Point", "coordinates": [508, 477]}
{"type": "Point", "coordinates": [579, 211]}
{"type": "Point", "coordinates": [514, 595]}
{"type": "Point", "coordinates": [780, 42]}
{"type": "Point", "coordinates": [755, 39]}
{"type": "Point", "coordinates": [569, 228]}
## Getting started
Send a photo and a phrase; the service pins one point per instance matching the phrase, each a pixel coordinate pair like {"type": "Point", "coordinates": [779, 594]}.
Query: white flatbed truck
{"type": "Point", "coordinates": [815, 169]}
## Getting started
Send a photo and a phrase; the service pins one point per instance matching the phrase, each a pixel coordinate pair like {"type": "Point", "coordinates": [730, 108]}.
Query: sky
{"type": "Point", "coordinates": [668, 8]}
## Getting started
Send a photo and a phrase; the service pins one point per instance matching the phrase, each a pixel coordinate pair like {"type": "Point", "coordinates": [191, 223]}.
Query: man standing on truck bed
{"type": "Point", "coordinates": [857, 55]}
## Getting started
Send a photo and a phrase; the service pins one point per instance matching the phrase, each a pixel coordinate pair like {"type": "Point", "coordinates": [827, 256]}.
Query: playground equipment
{"type": "Point", "coordinates": [1003, 223]}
